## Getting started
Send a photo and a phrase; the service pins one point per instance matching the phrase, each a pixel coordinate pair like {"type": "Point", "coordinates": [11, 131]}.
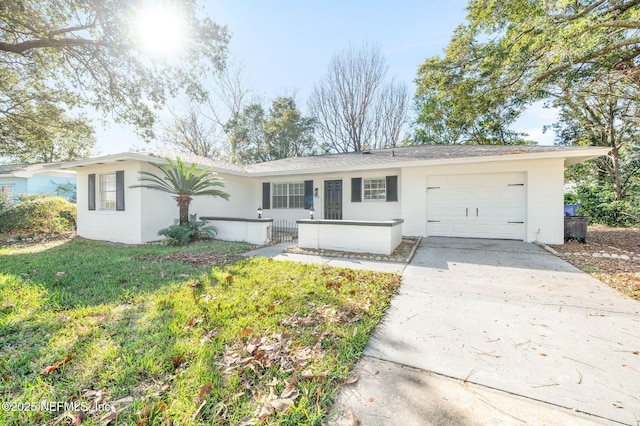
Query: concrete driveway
{"type": "Point", "coordinates": [499, 332]}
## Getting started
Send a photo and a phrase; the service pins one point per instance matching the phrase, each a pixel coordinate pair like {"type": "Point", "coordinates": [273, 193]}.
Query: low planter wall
{"type": "Point", "coordinates": [359, 236]}
{"type": "Point", "coordinates": [254, 231]}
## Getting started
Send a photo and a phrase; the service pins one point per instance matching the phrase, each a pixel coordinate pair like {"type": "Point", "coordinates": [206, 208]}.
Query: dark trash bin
{"type": "Point", "coordinates": [575, 228]}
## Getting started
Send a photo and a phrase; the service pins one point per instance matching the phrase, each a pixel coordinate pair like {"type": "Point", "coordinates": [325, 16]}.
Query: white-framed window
{"type": "Point", "coordinates": [287, 195]}
{"type": "Point", "coordinates": [7, 191]}
{"type": "Point", "coordinates": [107, 192]}
{"type": "Point", "coordinates": [375, 189]}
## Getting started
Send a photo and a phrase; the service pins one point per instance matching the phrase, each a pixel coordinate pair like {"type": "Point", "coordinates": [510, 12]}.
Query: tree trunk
{"type": "Point", "coordinates": [183, 204]}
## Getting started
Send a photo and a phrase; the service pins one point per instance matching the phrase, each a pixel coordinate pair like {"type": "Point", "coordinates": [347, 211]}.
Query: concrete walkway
{"type": "Point", "coordinates": [494, 332]}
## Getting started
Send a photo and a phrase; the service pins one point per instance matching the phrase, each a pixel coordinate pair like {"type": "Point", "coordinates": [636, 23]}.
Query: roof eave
{"type": "Point", "coordinates": [570, 157]}
{"type": "Point", "coordinates": [132, 156]}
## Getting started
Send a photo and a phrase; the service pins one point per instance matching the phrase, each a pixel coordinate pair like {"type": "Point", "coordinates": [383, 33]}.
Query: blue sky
{"type": "Point", "coordinates": [286, 46]}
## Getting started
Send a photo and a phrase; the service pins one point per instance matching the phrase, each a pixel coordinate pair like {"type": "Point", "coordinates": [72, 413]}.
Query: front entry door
{"type": "Point", "coordinates": [333, 199]}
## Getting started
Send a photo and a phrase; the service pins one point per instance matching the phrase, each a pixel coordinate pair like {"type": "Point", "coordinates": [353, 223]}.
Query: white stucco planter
{"type": "Point", "coordinates": [359, 236]}
{"type": "Point", "coordinates": [254, 231]}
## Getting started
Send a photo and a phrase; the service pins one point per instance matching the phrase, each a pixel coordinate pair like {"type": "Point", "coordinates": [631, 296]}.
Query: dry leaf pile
{"type": "Point", "coordinates": [619, 273]}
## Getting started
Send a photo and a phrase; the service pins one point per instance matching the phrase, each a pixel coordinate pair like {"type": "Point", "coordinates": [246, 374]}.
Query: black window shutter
{"type": "Point", "coordinates": [392, 188]}
{"type": "Point", "coordinates": [120, 190]}
{"type": "Point", "coordinates": [308, 194]}
{"type": "Point", "coordinates": [92, 191]}
{"type": "Point", "coordinates": [266, 195]}
{"type": "Point", "coordinates": [356, 190]}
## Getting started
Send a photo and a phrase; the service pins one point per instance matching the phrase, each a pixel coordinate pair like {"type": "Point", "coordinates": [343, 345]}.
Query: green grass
{"type": "Point", "coordinates": [177, 343]}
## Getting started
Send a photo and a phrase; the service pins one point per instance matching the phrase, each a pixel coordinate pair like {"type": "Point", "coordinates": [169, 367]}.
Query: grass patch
{"type": "Point", "coordinates": [159, 339]}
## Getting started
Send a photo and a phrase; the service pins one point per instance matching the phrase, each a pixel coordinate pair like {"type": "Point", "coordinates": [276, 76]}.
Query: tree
{"type": "Point", "coordinates": [183, 183]}
{"type": "Point", "coordinates": [47, 135]}
{"type": "Point", "coordinates": [459, 106]}
{"type": "Point", "coordinates": [84, 53]}
{"type": "Point", "coordinates": [606, 113]}
{"type": "Point", "coordinates": [511, 53]}
{"type": "Point", "coordinates": [192, 133]}
{"type": "Point", "coordinates": [255, 136]}
{"type": "Point", "coordinates": [354, 107]}
{"type": "Point", "coordinates": [246, 135]}
{"type": "Point", "coordinates": [287, 132]}
{"type": "Point", "coordinates": [202, 129]}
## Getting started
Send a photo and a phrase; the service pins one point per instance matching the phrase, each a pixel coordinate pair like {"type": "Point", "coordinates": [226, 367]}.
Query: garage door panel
{"type": "Point", "coordinates": [482, 205]}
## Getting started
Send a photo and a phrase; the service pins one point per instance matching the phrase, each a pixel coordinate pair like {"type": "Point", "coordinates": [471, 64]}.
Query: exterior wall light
{"type": "Point", "coordinates": [311, 212]}
{"type": "Point", "coordinates": [259, 212]}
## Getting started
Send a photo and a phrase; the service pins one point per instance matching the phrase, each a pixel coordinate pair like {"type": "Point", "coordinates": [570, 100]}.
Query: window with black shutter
{"type": "Point", "coordinates": [92, 191]}
{"type": "Point", "coordinates": [392, 188]}
{"type": "Point", "coordinates": [308, 194]}
{"type": "Point", "coordinates": [120, 190]}
{"type": "Point", "coordinates": [266, 195]}
{"type": "Point", "coordinates": [356, 190]}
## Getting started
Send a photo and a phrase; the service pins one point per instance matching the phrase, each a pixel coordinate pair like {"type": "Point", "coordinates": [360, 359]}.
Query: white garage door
{"type": "Point", "coordinates": [477, 206]}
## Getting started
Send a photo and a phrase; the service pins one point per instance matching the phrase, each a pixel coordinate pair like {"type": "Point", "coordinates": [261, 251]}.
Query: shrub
{"type": "Point", "coordinates": [601, 207]}
{"type": "Point", "coordinates": [41, 214]}
{"type": "Point", "coordinates": [179, 235]}
{"type": "Point", "coordinates": [5, 202]}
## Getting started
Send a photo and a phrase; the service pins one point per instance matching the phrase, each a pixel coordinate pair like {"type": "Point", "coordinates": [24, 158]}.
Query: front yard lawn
{"type": "Point", "coordinates": [97, 333]}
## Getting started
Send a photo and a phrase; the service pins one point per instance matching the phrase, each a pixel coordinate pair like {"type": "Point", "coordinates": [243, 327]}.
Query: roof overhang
{"type": "Point", "coordinates": [133, 156]}
{"type": "Point", "coordinates": [569, 156]}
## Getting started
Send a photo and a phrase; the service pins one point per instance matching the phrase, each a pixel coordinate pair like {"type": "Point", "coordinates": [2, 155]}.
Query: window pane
{"type": "Point", "coordinates": [108, 191]}
{"type": "Point", "coordinates": [296, 195]}
{"type": "Point", "coordinates": [279, 200]}
{"type": "Point", "coordinates": [288, 195]}
{"type": "Point", "coordinates": [375, 189]}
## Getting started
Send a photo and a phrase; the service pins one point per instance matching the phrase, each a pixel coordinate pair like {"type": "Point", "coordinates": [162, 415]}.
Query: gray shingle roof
{"type": "Point", "coordinates": [381, 158]}
{"type": "Point", "coordinates": [8, 169]}
{"type": "Point", "coordinates": [390, 157]}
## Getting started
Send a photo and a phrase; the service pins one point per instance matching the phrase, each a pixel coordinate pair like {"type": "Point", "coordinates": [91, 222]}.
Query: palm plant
{"type": "Point", "coordinates": [183, 183]}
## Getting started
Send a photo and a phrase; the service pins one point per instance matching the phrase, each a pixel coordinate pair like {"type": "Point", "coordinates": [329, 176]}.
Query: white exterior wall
{"type": "Point", "coordinates": [357, 238]}
{"type": "Point", "coordinates": [365, 210]}
{"type": "Point", "coordinates": [545, 189]}
{"type": "Point", "coordinates": [147, 211]}
{"type": "Point", "coordinates": [254, 232]}
{"type": "Point", "coordinates": [110, 225]}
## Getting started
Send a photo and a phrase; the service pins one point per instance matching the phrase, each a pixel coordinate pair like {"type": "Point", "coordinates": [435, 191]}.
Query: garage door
{"type": "Point", "coordinates": [477, 205]}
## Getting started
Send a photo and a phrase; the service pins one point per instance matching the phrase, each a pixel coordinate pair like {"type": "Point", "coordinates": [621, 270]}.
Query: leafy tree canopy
{"type": "Point", "coordinates": [47, 134]}
{"type": "Point", "coordinates": [513, 52]}
{"type": "Point", "coordinates": [282, 132]}
{"type": "Point", "coordinates": [74, 53]}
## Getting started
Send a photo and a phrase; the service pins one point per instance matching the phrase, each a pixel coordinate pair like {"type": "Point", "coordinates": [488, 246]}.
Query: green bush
{"type": "Point", "coordinates": [180, 235]}
{"type": "Point", "coordinates": [41, 214]}
{"type": "Point", "coordinates": [5, 202]}
{"type": "Point", "coordinates": [601, 207]}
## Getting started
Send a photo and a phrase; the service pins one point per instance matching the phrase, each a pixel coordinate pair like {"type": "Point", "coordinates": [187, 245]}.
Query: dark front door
{"type": "Point", "coordinates": [333, 199]}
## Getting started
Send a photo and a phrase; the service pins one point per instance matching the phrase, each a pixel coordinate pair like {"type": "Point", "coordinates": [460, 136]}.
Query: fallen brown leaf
{"type": "Point", "coordinates": [56, 365]}
{"type": "Point", "coordinates": [111, 416]}
{"type": "Point", "coordinates": [290, 391]}
{"type": "Point", "coordinates": [177, 360]}
{"type": "Point", "coordinates": [264, 411]}
{"type": "Point", "coordinates": [205, 391]}
{"type": "Point", "coordinates": [351, 379]}
{"type": "Point", "coordinates": [282, 404]}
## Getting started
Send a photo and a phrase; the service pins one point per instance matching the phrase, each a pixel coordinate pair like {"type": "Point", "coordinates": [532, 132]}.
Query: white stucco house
{"type": "Point", "coordinates": [506, 192]}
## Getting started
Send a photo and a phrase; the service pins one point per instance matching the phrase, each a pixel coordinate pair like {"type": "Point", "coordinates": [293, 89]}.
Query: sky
{"type": "Point", "coordinates": [285, 47]}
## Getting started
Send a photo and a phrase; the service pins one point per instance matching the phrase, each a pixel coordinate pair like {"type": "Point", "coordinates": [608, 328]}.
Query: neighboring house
{"type": "Point", "coordinates": [40, 178]}
{"type": "Point", "coordinates": [509, 192]}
